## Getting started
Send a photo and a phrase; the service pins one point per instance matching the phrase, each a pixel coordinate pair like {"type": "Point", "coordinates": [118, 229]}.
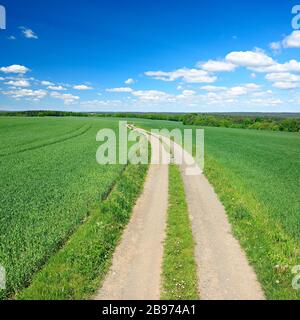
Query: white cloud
{"type": "Point", "coordinates": [66, 97]}
{"type": "Point", "coordinates": [253, 75]}
{"type": "Point", "coordinates": [82, 87]}
{"type": "Point", "coordinates": [213, 88]}
{"type": "Point", "coordinates": [281, 77]}
{"type": "Point", "coordinates": [187, 95]}
{"type": "Point", "coordinates": [11, 38]}
{"type": "Point", "coordinates": [188, 75]}
{"type": "Point", "coordinates": [285, 85]}
{"type": "Point", "coordinates": [292, 41]}
{"type": "Point", "coordinates": [290, 66]}
{"type": "Point", "coordinates": [151, 95]}
{"type": "Point", "coordinates": [230, 94]}
{"type": "Point", "coordinates": [252, 59]}
{"type": "Point", "coordinates": [57, 88]}
{"type": "Point", "coordinates": [100, 104]}
{"type": "Point", "coordinates": [120, 90]}
{"type": "Point", "coordinates": [27, 93]}
{"type": "Point", "coordinates": [15, 68]}
{"type": "Point", "coordinates": [188, 92]}
{"type": "Point", "coordinates": [18, 83]}
{"type": "Point", "coordinates": [47, 83]}
{"type": "Point", "coordinates": [216, 66]}
{"type": "Point", "coordinates": [237, 91]}
{"type": "Point", "coordinates": [275, 46]}
{"type": "Point", "coordinates": [129, 81]}
{"type": "Point", "coordinates": [28, 33]}
{"type": "Point", "coordinates": [252, 86]}
{"type": "Point", "coordinates": [266, 102]}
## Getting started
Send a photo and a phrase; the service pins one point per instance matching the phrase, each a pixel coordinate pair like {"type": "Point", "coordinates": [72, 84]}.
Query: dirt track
{"type": "Point", "coordinates": [223, 270]}
{"type": "Point", "coordinates": [136, 268]}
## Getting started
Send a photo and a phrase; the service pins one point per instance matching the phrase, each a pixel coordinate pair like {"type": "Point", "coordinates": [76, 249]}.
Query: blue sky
{"type": "Point", "coordinates": [154, 55]}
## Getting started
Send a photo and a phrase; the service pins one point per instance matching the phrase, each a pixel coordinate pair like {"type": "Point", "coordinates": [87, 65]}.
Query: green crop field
{"type": "Point", "coordinates": [50, 182]}
{"type": "Point", "coordinates": [256, 175]}
{"type": "Point", "coordinates": [55, 198]}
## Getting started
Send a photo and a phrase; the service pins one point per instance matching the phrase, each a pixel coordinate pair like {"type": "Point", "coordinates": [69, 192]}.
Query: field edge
{"type": "Point", "coordinates": [77, 270]}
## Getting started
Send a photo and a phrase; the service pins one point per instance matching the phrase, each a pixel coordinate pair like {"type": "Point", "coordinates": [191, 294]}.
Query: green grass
{"type": "Point", "coordinates": [179, 267]}
{"type": "Point", "coordinates": [49, 184]}
{"type": "Point", "coordinates": [76, 271]}
{"type": "Point", "coordinates": [256, 175]}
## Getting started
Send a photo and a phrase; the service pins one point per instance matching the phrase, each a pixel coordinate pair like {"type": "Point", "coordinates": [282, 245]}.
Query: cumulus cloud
{"type": "Point", "coordinates": [27, 93]}
{"type": "Point", "coordinates": [275, 46]}
{"type": "Point", "coordinates": [265, 102]}
{"type": "Point", "coordinates": [100, 104]}
{"type": "Point", "coordinates": [237, 91]}
{"type": "Point", "coordinates": [28, 33]}
{"type": "Point", "coordinates": [18, 83]}
{"type": "Point", "coordinates": [188, 92]}
{"type": "Point", "coordinates": [56, 88]}
{"type": "Point", "coordinates": [66, 97]}
{"type": "Point", "coordinates": [120, 90]}
{"type": "Point", "coordinates": [213, 88]}
{"type": "Point", "coordinates": [152, 95]}
{"type": "Point", "coordinates": [15, 68]}
{"type": "Point", "coordinates": [216, 66]}
{"type": "Point", "coordinates": [185, 74]}
{"type": "Point", "coordinates": [47, 83]}
{"type": "Point", "coordinates": [129, 81]}
{"type": "Point", "coordinates": [252, 59]}
{"type": "Point", "coordinates": [252, 86]}
{"type": "Point", "coordinates": [281, 77]}
{"type": "Point", "coordinates": [290, 66]}
{"type": "Point", "coordinates": [285, 85]}
{"type": "Point", "coordinates": [292, 41]}
{"type": "Point", "coordinates": [82, 87]}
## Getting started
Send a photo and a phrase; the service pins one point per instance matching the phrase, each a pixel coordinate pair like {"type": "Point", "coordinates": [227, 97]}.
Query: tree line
{"type": "Point", "coordinates": [244, 122]}
{"type": "Point", "coordinates": [261, 122]}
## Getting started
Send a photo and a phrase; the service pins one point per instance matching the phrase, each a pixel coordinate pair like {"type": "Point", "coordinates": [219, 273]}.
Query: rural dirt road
{"type": "Point", "coordinates": [223, 269]}
{"type": "Point", "coordinates": [136, 268]}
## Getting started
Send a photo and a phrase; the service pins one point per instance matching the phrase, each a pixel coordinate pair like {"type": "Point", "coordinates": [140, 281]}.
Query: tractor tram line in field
{"type": "Point", "coordinates": [71, 135]}
{"type": "Point", "coordinates": [138, 232]}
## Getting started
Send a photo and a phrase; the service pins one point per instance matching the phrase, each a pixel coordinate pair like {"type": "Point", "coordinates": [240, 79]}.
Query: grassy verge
{"type": "Point", "coordinates": [270, 249]}
{"type": "Point", "coordinates": [179, 267]}
{"type": "Point", "coordinates": [256, 176]}
{"type": "Point", "coordinates": [76, 271]}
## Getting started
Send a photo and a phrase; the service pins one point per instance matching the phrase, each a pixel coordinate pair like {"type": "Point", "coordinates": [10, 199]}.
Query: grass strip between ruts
{"type": "Point", "coordinates": [179, 274]}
